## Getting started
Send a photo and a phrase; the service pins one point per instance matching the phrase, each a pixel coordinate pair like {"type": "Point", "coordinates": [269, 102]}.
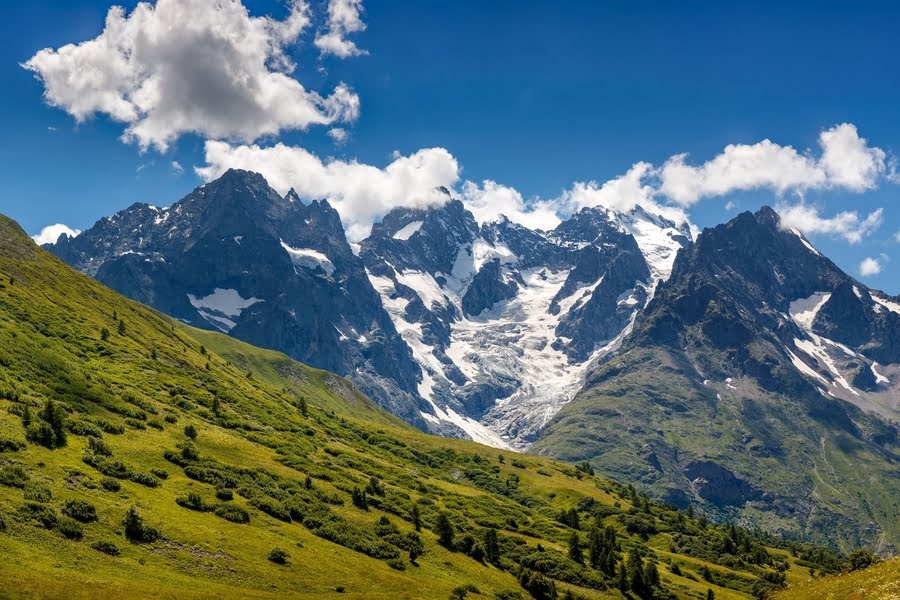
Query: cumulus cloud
{"type": "Point", "coordinates": [339, 135]}
{"type": "Point", "coordinates": [490, 200]}
{"type": "Point", "coordinates": [869, 266]}
{"type": "Point", "coordinates": [848, 225]}
{"type": "Point", "coordinates": [344, 18]}
{"type": "Point", "coordinates": [177, 168]}
{"type": "Point", "coordinates": [184, 66]}
{"type": "Point", "coordinates": [51, 233]}
{"type": "Point", "coordinates": [360, 193]}
{"type": "Point", "coordinates": [846, 162]}
{"type": "Point", "coordinates": [363, 193]}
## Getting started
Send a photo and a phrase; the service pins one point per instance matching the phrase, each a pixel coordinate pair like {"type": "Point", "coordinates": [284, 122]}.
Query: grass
{"type": "Point", "coordinates": [291, 444]}
{"type": "Point", "coordinates": [880, 582]}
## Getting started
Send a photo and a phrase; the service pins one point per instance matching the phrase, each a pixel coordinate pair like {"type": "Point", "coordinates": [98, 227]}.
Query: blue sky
{"type": "Point", "coordinates": [532, 96]}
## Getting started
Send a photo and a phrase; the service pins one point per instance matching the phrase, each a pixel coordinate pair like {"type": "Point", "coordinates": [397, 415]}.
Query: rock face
{"type": "Point", "coordinates": [755, 365]}
{"type": "Point", "coordinates": [236, 256]}
{"type": "Point", "coordinates": [462, 329]}
{"type": "Point", "coordinates": [504, 320]}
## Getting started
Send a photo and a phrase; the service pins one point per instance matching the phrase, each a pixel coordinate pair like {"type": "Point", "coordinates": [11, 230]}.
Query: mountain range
{"type": "Point", "coordinates": [740, 370]}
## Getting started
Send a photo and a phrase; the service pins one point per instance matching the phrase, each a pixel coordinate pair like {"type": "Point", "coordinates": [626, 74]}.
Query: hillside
{"type": "Point", "coordinates": [227, 452]}
{"type": "Point", "coordinates": [745, 389]}
{"type": "Point", "coordinates": [880, 582]}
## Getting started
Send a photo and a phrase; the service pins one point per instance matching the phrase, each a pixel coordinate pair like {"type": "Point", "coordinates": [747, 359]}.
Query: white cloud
{"type": "Point", "coordinates": [177, 168]}
{"type": "Point", "coordinates": [339, 135]}
{"type": "Point", "coordinates": [360, 193]}
{"type": "Point", "coordinates": [343, 19]}
{"type": "Point", "coordinates": [490, 200]}
{"type": "Point", "coordinates": [869, 266]}
{"type": "Point", "coordinates": [184, 66]}
{"type": "Point", "coordinates": [51, 233]}
{"type": "Point", "coordinates": [730, 205]}
{"type": "Point", "coordinates": [846, 162]}
{"type": "Point", "coordinates": [847, 224]}
{"type": "Point", "coordinates": [897, 236]}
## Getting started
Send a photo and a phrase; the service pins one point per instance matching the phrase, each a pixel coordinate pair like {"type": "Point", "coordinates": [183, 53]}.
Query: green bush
{"type": "Point", "coordinates": [279, 556]}
{"type": "Point", "coordinates": [232, 512]}
{"type": "Point", "coordinates": [99, 446]}
{"type": "Point", "coordinates": [106, 547]}
{"type": "Point", "coordinates": [50, 429]}
{"type": "Point", "coordinates": [110, 484]}
{"type": "Point", "coordinates": [170, 418]}
{"type": "Point", "coordinates": [192, 501]}
{"type": "Point", "coordinates": [136, 530]}
{"type": "Point", "coordinates": [70, 528]}
{"type": "Point", "coordinates": [190, 431]}
{"type": "Point", "coordinates": [160, 473]}
{"type": "Point", "coordinates": [397, 564]}
{"type": "Point", "coordinates": [39, 512]}
{"type": "Point", "coordinates": [145, 479]}
{"type": "Point", "coordinates": [13, 476]}
{"type": "Point", "coordinates": [2, 523]}
{"type": "Point", "coordinates": [80, 511]}
{"type": "Point", "coordinates": [10, 445]}
{"type": "Point", "coordinates": [37, 493]}
{"type": "Point", "coordinates": [224, 494]}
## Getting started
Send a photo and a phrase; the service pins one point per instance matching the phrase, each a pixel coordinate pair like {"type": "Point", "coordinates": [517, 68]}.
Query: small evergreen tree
{"type": "Point", "coordinates": [104, 334]}
{"type": "Point", "coordinates": [416, 517]}
{"type": "Point", "coordinates": [121, 327]}
{"type": "Point", "coordinates": [304, 409]}
{"type": "Point", "coordinates": [710, 595]}
{"type": "Point", "coordinates": [443, 528]}
{"type": "Point", "coordinates": [576, 552]}
{"type": "Point", "coordinates": [414, 546]}
{"type": "Point", "coordinates": [190, 431]}
{"type": "Point", "coordinates": [491, 546]}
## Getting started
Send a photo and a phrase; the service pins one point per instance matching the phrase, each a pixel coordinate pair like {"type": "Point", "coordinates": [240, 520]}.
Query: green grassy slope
{"type": "Point", "coordinates": [125, 383]}
{"type": "Point", "coordinates": [643, 416]}
{"type": "Point", "coordinates": [880, 582]}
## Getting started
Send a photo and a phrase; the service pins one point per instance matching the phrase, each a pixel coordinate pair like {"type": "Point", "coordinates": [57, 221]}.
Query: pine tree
{"type": "Point", "coordinates": [121, 327]}
{"type": "Point", "coordinates": [623, 578]}
{"type": "Point", "coordinates": [491, 546]}
{"type": "Point", "coordinates": [414, 546]}
{"type": "Point", "coordinates": [104, 334]}
{"type": "Point", "coordinates": [710, 595]}
{"type": "Point", "coordinates": [443, 528]}
{"type": "Point", "coordinates": [636, 573]}
{"type": "Point", "coordinates": [576, 552]}
{"type": "Point", "coordinates": [596, 548]}
{"type": "Point", "coordinates": [416, 517]}
{"type": "Point", "coordinates": [304, 409]}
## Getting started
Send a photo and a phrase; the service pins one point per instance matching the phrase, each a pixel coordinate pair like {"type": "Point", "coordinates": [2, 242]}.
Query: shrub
{"type": "Point", "coordinates": [110, 484]}
{"type": "Point", "coordinates": [80, 511]}
{"type": "Point", "coordinates": [189, 452]}
{"type": "Point", "coordinates": [190, 431]}
{"type": "Point", "coordinates": [39, 512]}
{"type": "Point", "coordinates": [98, 446]}
{"type": "Point", "coordinates": [70, 528]}
{"type": "Point", "coordinates": [155, 424]}
{"type": "Point", "coordinates": [397, 564]}
{"type": "Point", "coordinates": [50, 430]}
{"type": "Point", "coordinates": [145, 479]}
{"type": "Point", "coordinates": [232, 512]}
{"type": "Point", "coordinates": [37, 493]}
{"type": "Point", "coordinates": [273, 508]}
{"type": "Point", "coordinates": [160, 473]}
{"type": "Point", "coordinates": [861, 559]}
{"type": "Point", "coordinates": [106, 547]}
{"type": "Point", "coordinates": [10, 445]}
{"type": "Point", "coordinates": [136, 530]}
{"type": "Point", "coordinates": [279, 556]}
{"type": "Point", "coordinates": [171, 419]}
{"type": "Point", "coordinates": [224, 494]}
{"type": "Point", "coordinates": [13, 476]}
{"type": "Point", "coordinates": [192, 501]}
{"type": "Point", "coordinates": [2, 523]}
